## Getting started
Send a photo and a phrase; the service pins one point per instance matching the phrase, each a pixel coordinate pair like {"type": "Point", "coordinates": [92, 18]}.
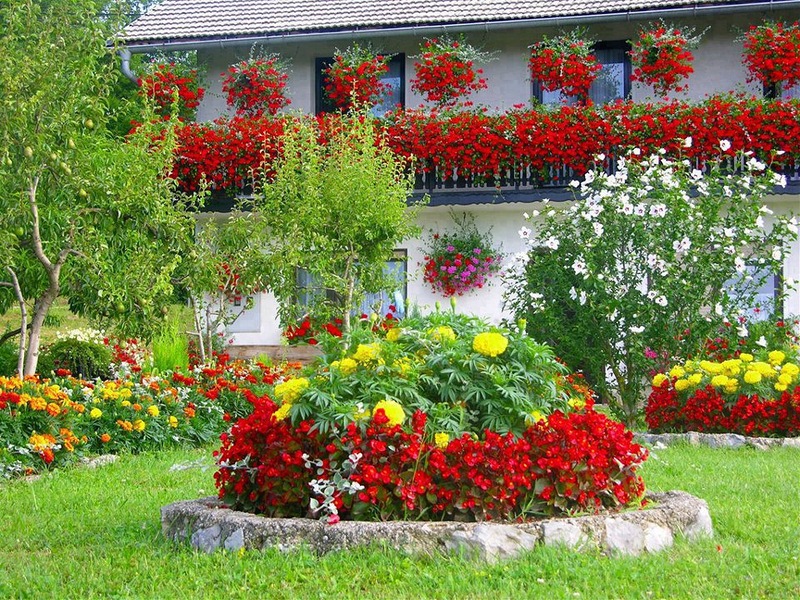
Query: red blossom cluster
{"type": "Point", "coordinates": [569, 463]}
{"type": "Point", "coordinates": [662, 58]}
{"type": "Point", "coordinates": [772, 53]}
{"type": "Point", "coordinates": [706, 410]}
{"type": "Point", "coordinates": [454, 273]}
{"type": "Point", "coordinates": [442, 74]}
{"type": "Point", "coordinates": [348, 82]}
{"type": "Point", "coordinates": [306, 332]}
{"type": "Point", "coordinates": [255, 87]}
{"type": "Point", "coordinates": [164, 82]}
{"type": "Point", "coordinates": [571, 73]}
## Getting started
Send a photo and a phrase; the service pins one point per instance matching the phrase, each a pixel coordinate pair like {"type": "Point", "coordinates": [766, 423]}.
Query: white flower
{"type": "Point", "coordinates": [742, 331]}
{"type": "Point", "coordinates": [573, 294]}
{"type": "Point", "coordinates": [639, 210]}
{"type": "Point", "coordinates": [661, 301]}
{"type": "Point", "coordinates": [779, 179]}
{"type": "Point", "coordinates": [682, 245]}
{"type": "Point", "coordinates": [583, 297]}
{"type": "Point", "coordinates": [574, 183]}
{"type": "Point", "coordinates": [524, 233]}
{"type": "Point", "coordinates": [636, 329]}
{"type": "Point", "coordinates": [600, 157]}
{"type": "Point", "coordinates": [552, 243]}
{"type": "Point", "coordinates": [718, 309]}
{"type": "Point", "coordinates": [696, 174]}
{"type": "Point", "coordinates": [729, 232]}
{"type": "Point", "coordinates": [760, 222]}
{"type": "Point", "coordinates": [658, 210]}
{"type": "Point", "coordinates": [724, 145]}
{"type": "Point", "coordinates": [598, 228]}
{"type": "Point", "coordinates": [728, 191]}
{"type": "Point", "coordinates": [762, 342]}
{"type": "Point", "coordinates": [740, 264]}
{"type": "Point", "coordinates": [637, 151]}
{"type": "Point", "coordinates": [580, 268]}
{"type": "Point", "coordinates": [526, 216]}
{"type": "Point", "coordinates": [687, 143]}
{"type": "Point", "coordinates": [777, 254]}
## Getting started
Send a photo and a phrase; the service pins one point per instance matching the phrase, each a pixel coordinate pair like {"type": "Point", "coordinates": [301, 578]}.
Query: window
{"type": "Point", "coordinates": [308, 288]}
{"type": "Point", "coordinates": [394, 78]}
{"type": "Point", "coordinates": [613, 81]}
{"type": "Point", "coordinates": [765, 300]}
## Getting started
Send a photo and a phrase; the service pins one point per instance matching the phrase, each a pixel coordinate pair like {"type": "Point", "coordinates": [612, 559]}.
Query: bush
{"type": "Point", "coordinates": [8, 358]}
{"type": "Point", "coordinates": [84, 358]}
{"type": "Point", "coordinates": [438, 417]}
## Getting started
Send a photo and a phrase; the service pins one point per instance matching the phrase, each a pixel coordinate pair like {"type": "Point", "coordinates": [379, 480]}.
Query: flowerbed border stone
{"type": "Point", "coordinates": [715, 440]}
{"type": "Point", "coordinates": [208, 526]}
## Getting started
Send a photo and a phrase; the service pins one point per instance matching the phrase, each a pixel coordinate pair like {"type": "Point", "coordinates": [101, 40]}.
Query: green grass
{"type": "Point", "coordinates": [87, 533]}
{"type": "Point", "coordinates": [60, 318]}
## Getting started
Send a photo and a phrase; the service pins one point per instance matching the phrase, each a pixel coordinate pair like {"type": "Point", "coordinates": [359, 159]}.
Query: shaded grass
{"type": "Point", "coordinates": [96, 534]}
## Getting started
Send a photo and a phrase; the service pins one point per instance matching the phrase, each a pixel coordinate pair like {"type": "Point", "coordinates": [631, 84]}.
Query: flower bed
{"type": "Point", "coordinates": [443, 418]}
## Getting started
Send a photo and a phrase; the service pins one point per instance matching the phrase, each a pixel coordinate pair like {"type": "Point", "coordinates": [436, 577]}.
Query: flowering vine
{"type": "Point", "coordinates": [354, 77]}
{"type": "Point", "coordinates": [772, 53]}
{"type": "Point", "coordinates": [565, 63]}
{"type": "Point", "coordinates": [445, 71]}
{"type": "Point", "coordinates": [257, 86]}
{"type": "Point", "coordinates": [662, 57]}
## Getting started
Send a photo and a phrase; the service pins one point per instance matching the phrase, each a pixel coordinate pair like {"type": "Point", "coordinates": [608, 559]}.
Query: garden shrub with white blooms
{"type": "Point", "coordinates": [649, 258]}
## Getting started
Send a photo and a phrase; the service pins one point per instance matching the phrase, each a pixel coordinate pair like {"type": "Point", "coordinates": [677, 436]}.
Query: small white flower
{"type": "Point", "coordinates": [740, 264]}
{"type": "Point", "coordinates": [777, 254]}
{"type": "Point", "coordinates": [598, 228]}
{"type": "Point", "coordinates": [762, 342]}
{"type": "Point", "coordinates": [524, 233]}
{"type": "Point", "coordinates": [639, 210]}
{"type": "Point", "coordinates": [573, 294]}
{"type": "Point", "coordinates": [580, 268]}
{"type": "Point", "coordinates": [637, 151]}
{"type": "Point", "coordinates": [724, 145]}
{"type": "Point", "coordinates": [760, 222]}
{"type": "Point", "coordinates": [687, 143]}
{"type": "Point", "coordinates": [718, 309]}
{"type": "Point", "coordinates": [658, 210]}
{"type": "Point", "coordinates": [526, 216]}
{"type": "Point", "coordinates": [583, 298]}
{"type": "Point", "coordinates": [742, 331]}
{"type": "Point", "coordinates": [637, 329]}
{"type": "Point", "coordinates": [574, 183]}
{"type": "Point", "coordinates": [661, 301]}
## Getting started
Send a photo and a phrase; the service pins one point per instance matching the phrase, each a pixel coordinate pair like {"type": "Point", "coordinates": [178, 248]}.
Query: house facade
{"type": "Point", "coordinates": [308, 32]}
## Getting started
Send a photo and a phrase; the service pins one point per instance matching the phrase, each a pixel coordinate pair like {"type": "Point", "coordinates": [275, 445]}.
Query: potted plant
{"type": "Point", "coordinates": [257, 86]}
{"type": "Point", "coordinates": [445, 70]}
{"type": "Point", "coordinates": [565, 63]}
{"type": "Point", "coordinates": [662, 57]}
{"type": "Point", "coordinates": [172, 86]}
{"type": "Point", "coordinates": [772, 54]}
{"type": "Point", "coordinates": [354, 77]}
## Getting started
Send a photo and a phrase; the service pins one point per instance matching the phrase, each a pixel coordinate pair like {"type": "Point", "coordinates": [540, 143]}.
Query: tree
{"type": "Point", "coordinates": [647, 263]}
{"type": "Point", "coordinates": [336, 206]}
{"type": "Point", "coordinates": [82, 214]}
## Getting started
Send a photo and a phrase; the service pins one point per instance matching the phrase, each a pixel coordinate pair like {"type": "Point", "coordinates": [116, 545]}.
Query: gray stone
{"type": "Point", "coordinates": [624, 537]}
{"type": "Point", "coordinates": [714, 440]}
{"type": "Point", "coordinates": [207, 539]}
{"type": "Point", "coordinates": [100, 461]}
{"type": "Point", "coordinates": [791, 442]}
{"type": "Point", "coordinates": [492, 542]}
{"type": "Point", "coordinates": [562, 533]}
{"type": "Point", "coordinates": [234, 541]}
{"type": "Point", "coordinates": [657, 538]}
{"type": "Point", "coordinates": [701, 525]}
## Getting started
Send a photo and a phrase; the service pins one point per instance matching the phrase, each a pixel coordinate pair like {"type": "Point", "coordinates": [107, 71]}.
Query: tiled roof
{"type": "Point", "coordinates": [184, 20]}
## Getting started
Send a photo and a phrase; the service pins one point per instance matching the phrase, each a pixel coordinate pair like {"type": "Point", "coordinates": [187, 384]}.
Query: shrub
{"type": "Point", "coordinates": [82, 353]}
{"type": "Point", "coordinates": [8, 358]}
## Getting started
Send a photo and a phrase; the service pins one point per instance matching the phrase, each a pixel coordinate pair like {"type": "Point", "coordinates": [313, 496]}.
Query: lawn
{"type": "Point", "coordinates": [85, 533]}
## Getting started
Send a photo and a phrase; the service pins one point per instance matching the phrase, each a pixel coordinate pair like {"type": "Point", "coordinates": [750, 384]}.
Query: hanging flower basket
{"type": "Point", "coordinates": [445, 71]}
{"type": "Point", "coordinates": [772, 54]}
{"type": "Point", "coordinates": [172, 87]}
{"type": "Point", "coordinates": [257, 86]}
{"type": "Point", "coordinates": [461, 260]}
{"type": "Point", "coordinates": [354, 77]}
{"type": "Point", "coordinates": [566, 64]}
{"type": "Point", "coordinates": [662, 57]}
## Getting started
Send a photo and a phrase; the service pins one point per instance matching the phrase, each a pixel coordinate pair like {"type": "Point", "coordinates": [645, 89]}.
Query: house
{"type": "Point", "coordinates": [309, 31]}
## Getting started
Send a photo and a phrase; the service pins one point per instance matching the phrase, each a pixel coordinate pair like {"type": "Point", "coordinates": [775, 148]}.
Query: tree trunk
{"type": "Point", "coordinates": [23, 329]}
{"type": "Point", "coordinates": [348, 301]}
{"type": "Point", "coordinates": [40, 310]}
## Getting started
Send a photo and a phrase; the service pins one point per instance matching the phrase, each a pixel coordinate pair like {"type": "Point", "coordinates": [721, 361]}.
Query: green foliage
{"type": "Point", "coordinates": [432, 363]}
{"type": "Point", "coordinates": [8, 358]}
{"type": "Point", "coordinates": [84, 358]}
{"type": "Point", "coordinates": [336, 209]}
{"type": "Point", "coordinates": [171, 348]}
{"type": "Point", "coordinates": [649, 259]}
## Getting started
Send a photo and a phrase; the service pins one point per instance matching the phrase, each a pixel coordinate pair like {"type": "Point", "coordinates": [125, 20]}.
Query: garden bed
{"type": "Point", "coordinates": [208, 526]}
{"type": "Point", "coordinates": [717, 440]}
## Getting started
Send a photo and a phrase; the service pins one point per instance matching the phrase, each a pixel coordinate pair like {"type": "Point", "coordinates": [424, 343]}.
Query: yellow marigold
{"type": "Point", "coordinates": [173, 421]}
{"type": "Point", "coordinates": [677, 371]}
{"type": "Point", "coordinates": [695, 378]}
{"type": "Point", "coordinates": [442, 333]}
{"type": "Point", "coordinates": [785, 378]}
{"type": "Point", "coordinates": [537, 416]}
{"type": "Point", "coordinates": [363, 413]}
{"type": "Point", "coordinates": [746, 357]}
{"type": "Point", "coordinates": [659, 379]}
{"type": "Point", "coordinates": [282, 412]}
{"type": "Point", "coordinates": [41, 441]}
{"type": "Point", "coordinates": [394, 334]}
{"type": "Point", "coordinates": [153, 411]}
{"type": "Point", "coordinates": [291, 390]}
{"type": "Point", "coordinates": [731, 386]}
{"type": "Point", "coordinates": [125, 403]}
{"type": "Point", "coordinates": [719, 380]}
{"type": "Point", "coordinates": [576, 403]}
{"type": "Point", "coordinates": [139, 425]}
{"type": "Point", "coordinates": [776, 357]}
{"type": "Point", "coordinates": [711, 368]}
{"type": "Point", "coordinates": [490, 343]}
{"type": "Point", "coordinates": [37, 403]}
{"type": "Point", "coordinates": [53, 392]}
{"type": "Point", "coordinates": [347, 366]}
{"type": "Point", "coordinates": [125, 393]}
{"type": "Point", "coordinates": [95, 413]}
{"type": "Point", "coordinates": [403, 365]}
{"type": "Point", "coordinates": [765, 369]}
{"type": "Point", "coordinates": [441, 439]}
{"type": "Point", "coordinates": [752, 377]}
{"type": "Point", "coordinates": [53, 409]}
{"type": "Point", "coordinates": [781, 387]}
{"type": "Point", "coordinates": [790, 369]}
{"type": "Point", "coordinates": [689, 366]}
{"type": "Point", "coordinates": [732, 367]}
{"type": "Point", "coordinates": [681, 384]}
{"type": "Point", "coordinates": [366, 352]}
{"type": "Point", "coordinates": [393, 410]}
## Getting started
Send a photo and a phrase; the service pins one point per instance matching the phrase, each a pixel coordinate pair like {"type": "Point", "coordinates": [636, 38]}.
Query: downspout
{"type": "Point", "coordinates": [125, 57]}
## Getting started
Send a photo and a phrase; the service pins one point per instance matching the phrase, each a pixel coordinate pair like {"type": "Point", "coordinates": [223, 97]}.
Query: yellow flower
{"type": "Point", "coordinates": [394, 334]}
{"type": "Point", "coordinates": [125, 403]}
{"type": "Point", "coordinates": [139, 425]}
{"type": "Point", "coordinates": [776, 357]}
{"type": "Point", "coordinates": [731, 386]}
{"type": "Point", "coordinates": [689, 366]}
{"type": "Point", "coordinates": [173, 422]}
{"type": "Point", "coordinates": [711, 368]}
{"type": "Point", "coordinates": [677, 371]}
{"type": "Point", "coordinates": [37, 403]}
{"type": "Point", "coordinates": [790, 369]}
{"type": "Point", "coordinates": [347, 366]}
{"type": "Point", "coordinates": [490, 343]}
{"type": "Point", "coordinates": [576, 403]}
{"type": "Point", "coordinates": [403, 365]}
{"type": "Point", "coordinates": [441, 440]}
{"type": "Point", "coordinates": [442, 333]}
{"type": "Point", "coordinates": [362, 413]}
{"type": "Point", "coordinates": [781, 387]}
{"type": "Point", "coordinates": [732, 367]}
{"type": "Point", "coordinates": [719, 380]}
{"type": "Point", "coordinates": [152, 410]}
{"type": "Point", "coordinates": [752, 377]}
{"type": "Point", "coordinates": [125, 393]}
{"type": "Point", "coordinates": [658, 380]}
{"type": "Point", "coordinates": [537, 416]}
{"type": "Point", "coordinates": [366, 352]}
{"type": "Point", "coordinates": [282, 412]}
{"type": "Point", "coordinates": [681, 384]}
{"type": "Point", "coordinates": [695, 378]}
{"type": "Point", "coordinates": [785, 378]}
{"type": "Point", "coordinates": [763, 368]}
{"type": "Point", "coordinates": [95, 413]}
{"type": "Point", "coordinates": [393, 410]}
{"type": "Point", "coordinates": [291, 390]}
{"type": "Point", "coordinates": [745, 357]}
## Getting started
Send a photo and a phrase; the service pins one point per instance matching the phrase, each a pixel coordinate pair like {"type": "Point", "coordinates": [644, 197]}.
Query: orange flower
{"type": "Point", "coordinates": [53, 409]}
{"type": "Point", "coordinates": [105, 438]}
{"type": "Point", "coordinates": [137, 407]}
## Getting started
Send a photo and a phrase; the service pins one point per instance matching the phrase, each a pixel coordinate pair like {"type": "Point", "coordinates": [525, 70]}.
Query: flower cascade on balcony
{"type": "Point", "coordinates": [772, 53]}
{"type": "Point", "coordinates": [354, 77]}
{"type": "Point", "coordinates": [565, 63]}
{"type": "Point", "coordinates": [662, 57]}
{"type": "Point", "coordinates": [257, 86]}
{"type": "Point", "coordinates": [445, 71]}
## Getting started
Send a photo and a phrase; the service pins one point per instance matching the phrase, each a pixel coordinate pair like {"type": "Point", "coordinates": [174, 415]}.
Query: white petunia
{"type": "Point", "coordinates": [687, 143]}
{"type": "Point", "coordinates": [724, 145]}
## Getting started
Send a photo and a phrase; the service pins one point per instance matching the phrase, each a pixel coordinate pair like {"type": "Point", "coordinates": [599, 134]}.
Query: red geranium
{"type": "Point", "coordinates": [172, 86]}
{"type": "Point", "coordinates": [256, 86]}
{"type": "Point", "coordinates": [662, 57]}
{"type": "Point", "coordinates": [354, 77]}
{"type": "Point", "coordinates": [445, 71]}
{"type": "Point", "coordinates": [566, 64]}
{"type": "Point", "coordinates": [772, 53]}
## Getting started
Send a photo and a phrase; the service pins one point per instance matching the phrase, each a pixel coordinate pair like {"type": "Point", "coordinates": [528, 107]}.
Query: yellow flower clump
{"type": "Point", "coordinates": [291, 390]}
{"type": "Point", "coordinates": [490, 343]}
{"type": "Point", "coordinates": [346, 366]}
{"type": "Point", "coordinates": [441, 440]}
{"type": "Point", "coordinates": [393, 410]}
{"type": "Point", "coordinates": [367, 352]}
{"type": "Point", "coordinates": [394, 334]}
{"type": "Point", "coordinates": [442, 333]}
{"type": "Point", "coordinates": [282, 412]}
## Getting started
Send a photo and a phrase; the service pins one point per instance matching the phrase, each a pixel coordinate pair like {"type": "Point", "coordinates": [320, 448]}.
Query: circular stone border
{"type": "Point", "coordinates": [208, 526]}
{"type": "Point", "coordinates": [715, 440]}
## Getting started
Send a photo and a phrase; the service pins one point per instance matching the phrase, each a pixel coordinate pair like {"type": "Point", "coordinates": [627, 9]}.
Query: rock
{"type": "Point", "coordinates": [657, 538]}
{"type": "Point", "coordinates": [207, 539]}
{"type": "Point", "coordinates": [701, 525]}
{"type": "Point", "coordinates": [562, 533]}
{"type": "Point", "coordinates": [235, 541]}
{"type": "Point", "coordinates": [492, 542]}
{"type": "Point", "coordinates": [623, 537]}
